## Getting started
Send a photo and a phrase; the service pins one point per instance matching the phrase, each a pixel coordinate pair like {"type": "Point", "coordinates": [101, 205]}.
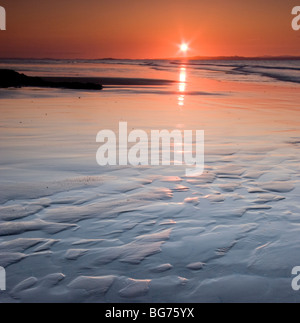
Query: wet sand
{"type": "Point", "coordinates": [74, 231]}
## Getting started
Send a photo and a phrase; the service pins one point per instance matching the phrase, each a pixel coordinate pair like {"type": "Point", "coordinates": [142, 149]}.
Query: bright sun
{"type": "Point", "coordinates": [184, 47]}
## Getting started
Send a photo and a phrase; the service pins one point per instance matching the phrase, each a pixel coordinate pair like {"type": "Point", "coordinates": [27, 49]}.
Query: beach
{"type": "Point", "coordinates": [73, 231]}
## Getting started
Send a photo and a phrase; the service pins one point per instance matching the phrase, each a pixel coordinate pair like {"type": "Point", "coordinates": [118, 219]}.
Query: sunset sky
{"type": "Point", "coordinates": [147, 29]}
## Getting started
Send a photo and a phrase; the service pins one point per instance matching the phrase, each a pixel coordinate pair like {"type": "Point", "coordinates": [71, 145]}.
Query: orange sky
{"type": "Point", "coordinates": [147, 29]}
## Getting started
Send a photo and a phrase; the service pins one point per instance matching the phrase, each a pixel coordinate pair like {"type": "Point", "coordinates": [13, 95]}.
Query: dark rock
{"type": "Point", "coordinates": [10, 78]}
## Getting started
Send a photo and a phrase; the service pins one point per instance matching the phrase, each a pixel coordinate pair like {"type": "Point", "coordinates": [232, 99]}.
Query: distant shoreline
{"type": "Point", "coordinates": [194, 58]}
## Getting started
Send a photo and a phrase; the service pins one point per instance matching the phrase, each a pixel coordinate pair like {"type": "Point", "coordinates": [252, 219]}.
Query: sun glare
{"type": "Point", "coordinates": [184, 48]}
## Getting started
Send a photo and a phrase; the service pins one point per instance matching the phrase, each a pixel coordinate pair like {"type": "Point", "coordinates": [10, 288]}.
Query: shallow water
{"type": "Point", "coordinates": [71, 230]}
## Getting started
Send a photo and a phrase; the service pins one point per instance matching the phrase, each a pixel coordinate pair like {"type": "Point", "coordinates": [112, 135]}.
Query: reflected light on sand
{"type": "Point", "coordinates": [182, 86]}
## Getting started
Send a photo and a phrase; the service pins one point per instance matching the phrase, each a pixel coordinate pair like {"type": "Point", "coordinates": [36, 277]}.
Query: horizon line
{"type": "Point", "coordinates": [234, 57]}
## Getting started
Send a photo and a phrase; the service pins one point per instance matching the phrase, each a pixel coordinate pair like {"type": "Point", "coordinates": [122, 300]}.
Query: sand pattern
{"type": "Point", "coordinates": [73, 232]}
{"type": "Point", "coordinates": [142, 239]}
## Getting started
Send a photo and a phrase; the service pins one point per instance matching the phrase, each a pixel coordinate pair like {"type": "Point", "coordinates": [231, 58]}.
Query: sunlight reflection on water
{"type": "Point", "coordinates": [182, 86]}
